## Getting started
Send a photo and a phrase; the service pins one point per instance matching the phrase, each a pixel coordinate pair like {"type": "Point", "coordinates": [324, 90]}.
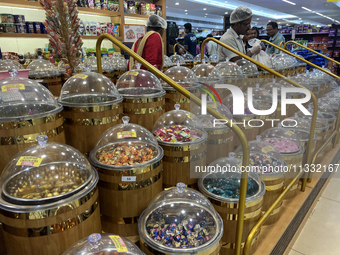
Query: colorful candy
{"type": "Point", "coordinates": [176, 134]}
{"type": "Point", "coordinates": [283, 145]}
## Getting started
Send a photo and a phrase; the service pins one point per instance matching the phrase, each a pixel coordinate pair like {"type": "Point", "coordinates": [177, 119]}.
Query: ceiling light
{"type": "Point", "coordinates": [185, 10]}
{"type": "Point", "coordinates": [176, 3]}
{"type": "Point", "coordinates": [186, 13]}
{"type": "Point", "coordinates": [167, 7]}
{"type": "Point", "coordinates": [306, 9]}
{"type": "Point", "coordinates": [257, 18]}
{"type": "Point", "coordinates": [269, 20]}
{"type": "Point", "coordinates": [226, 13]}
{"type": "Point", "coordinates": [289, 2]}
{"type": "Point", "coordinates": [287, 24]}
{"type": "Point", "coordinates": [300, 18]}
{"type": "Point", "coordinates": [204, 9]}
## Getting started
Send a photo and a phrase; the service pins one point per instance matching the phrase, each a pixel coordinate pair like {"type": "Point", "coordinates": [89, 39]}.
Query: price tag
{"type": "Point", "coordinates": [190, 116]}
{"type": "Point", "coordinates": [240, 165]}
{"type": "Point", "coordinates": [126, 134]}
{"type": "Point", "coordinates": [29, 161]}
{"type": "Point", "coordinates": [290, 133]}
{"type": "Point", "coordinates": [133, 73]}
{"type": "Point", "coordinates": [267, 149]}
{"type": "Point", "coordinates": [11, 87]}
{"type": "Point", "coordinates": [129, 178]}
{"type": "Point", "coordinates": [80, 76]}
{"type": "Point", "coordinates": [119, 243]}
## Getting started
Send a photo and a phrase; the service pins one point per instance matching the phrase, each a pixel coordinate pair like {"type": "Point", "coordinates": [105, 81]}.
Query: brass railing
{"type": "Point", "coordinates": [236, 129]}
{"type": "Point", "coordinates": [181, 46]}
{"type": "Point", "coordinates": [315, 52]}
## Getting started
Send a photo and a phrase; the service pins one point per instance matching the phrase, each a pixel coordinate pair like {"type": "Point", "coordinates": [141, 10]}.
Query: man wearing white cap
{"type": "Point", "coordinates": [240, 20]}
{"type": "Point", "coordinates": [150, 46]}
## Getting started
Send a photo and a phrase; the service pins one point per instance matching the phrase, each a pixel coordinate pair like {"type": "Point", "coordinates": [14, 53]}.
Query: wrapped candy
{"type": "Point", "coordinates": [282, 145]}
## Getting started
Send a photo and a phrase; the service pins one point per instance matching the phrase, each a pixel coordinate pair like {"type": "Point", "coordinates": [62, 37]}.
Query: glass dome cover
{"type": "Point", "coordinates": [181, 75]}
{"type": "Point", "coordinates": [321, 122]}
{"type": "Point", "coordinates": [213, 58]}
{"type": "Point", "coordinates": [228, 101]}
{"type": "Point", "coordinates": [284, 141]}
{"type": "Point", "coordinates": [8, 64]}
{"type": "Point", "coordinates": [185, 211]}
{"type": "Point", "coordinates": [207, 73]}
{"type": "Point", "coordinates": [139, 83]}
{"type": "Point", "coordinates": [106, 65]}
{"type": "Point", "coordinates": [188, 58]}
{"type": "Point", "coordinates": [125, 146]}
{"type": "Point", "coordinates": [44, 172]}
{"type": "Point", "coordinates": [179, 127]}
{"type": "Point", "coordinates": [286, 60]}
{"type": "Point", "coordinates": [263, 156]}
{"type": "Point", "coordinates": [168, 62]}
{"type": "Point", "coordinates": [229, 69]}
{"type": "Point", "coordinates": [40, 68]}
{"type": "Point", "coordinates": [103, 244]}
{"type": "Point", "coordinates": [274, 84]}
{"type": "Point", "coordinates": [247, 67]}
{"type": "Point", "coordinates": [296, 122]}
{"type": "Point", "coordinates": [334, 103]}
{"type": "Point", "coordinates": [197, 59]}
{"type": "Point", "coordinates": [324, 109]}
{"type": "Point", "coordinates": [225, 187]}
{"type": "Point", "coordinates": [89, 89]}
{"type": "Point", "coordinates": [24, 99]}
{"type": "Point", "coordinates": [177, 59]}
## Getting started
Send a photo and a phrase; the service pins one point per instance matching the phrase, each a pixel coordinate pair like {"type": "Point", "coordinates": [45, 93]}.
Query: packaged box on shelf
{"type": "Point", "coordinates": [336, 53]}
{"type": "Point", "coordinates": [332, 32]}
{"type": "Point", "coordinates": [330, 53]}
{"type": "Point", "coordinates": [337, 43]}
{"type": "Point", "coordinates": [338, 32]}
{"type": "Point", "coordinates": [330, 43]}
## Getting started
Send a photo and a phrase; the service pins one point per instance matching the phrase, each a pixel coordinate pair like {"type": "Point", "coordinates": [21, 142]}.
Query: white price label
{"type": "Point", "coordinates": [129, 178]}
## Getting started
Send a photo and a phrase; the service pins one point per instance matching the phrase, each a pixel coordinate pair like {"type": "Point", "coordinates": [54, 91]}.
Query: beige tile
{"type": "Point", "coordinates": [322, 230]}
{"type": "Point", "coordinates": [293, 252]}
{"type": "Point", "coordinates": [332, 190]}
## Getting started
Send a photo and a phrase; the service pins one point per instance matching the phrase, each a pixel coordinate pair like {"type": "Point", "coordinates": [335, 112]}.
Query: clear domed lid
{"type": "Point", "coordinates": [106, 65]}
{"type": "Point", "coordinates": [124, 146]}
{"type": "Point", "coordinates": [41, 68]}
{"type": "Point", "coordinates": [207, 73]}
{"type": "Point", "coordinates": [167, 61]}
{"type": "Point", "coordinates": [62, 67]}
{"type": "Point", "coordinates": [139, 83]}
{"type": "Point", "coordinates": [228, 101]}
{"type": "Point", "coordinates": [207, 120]}
{"type": "Point", "coordinates": [247, 67]}
{"type": "Point", "coordinates": [286, 60]}
{"type": "Point", "coordinates": [213, 58]}
{"type": "Point", "coordinates": [229, 69]}
{"type": "Point", "coordinates": [282, 140]}
{"type": "Point", "coordinates": [225, 185]}
{"type": "Point", "coordinates": [44, 172]}
{"type": "Point", "coordinates": [103, 243]}
{"type": "Point", "coordinates": [179, 127]}
{"type": "Point", "coordinates": [332, 102]}
{"type": "Point", "coordinates": [177, 59]}
{"type": "Point", "coordinates": [261, 94]}
{"type": "Point", "coordinates": [8, 64]}
{"type": "Point", "coordinates": [187, 222]}
{"type": "Point", "coordinates": [324, 109]}
{"type": "Point", "coordinates": [23, 99]}
{"type": "Point", "coordinates": [296, 122]}
{"type": "Point", "coordinates": [277, 66]}
{"type": "Point", "coordinates": [188, 58]}
{"type": "Point", "coordinates": [122, 64]}
{"type": "Point", "coordinates": [321, 122]}
{"type": "Point", "coordinates": [183, 76]}
{"type": "Point", "coordinates": [264, 158]}
{"type": "Point", "coordinates": [274, 84]}
{"type": "Point", "coordinates": [197, 59]}
{"type": "Point", "coordinates": [89, 89]}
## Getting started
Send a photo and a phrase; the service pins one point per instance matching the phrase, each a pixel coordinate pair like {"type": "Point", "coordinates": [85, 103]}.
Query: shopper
{"type": "Point", "coordinates": [198, 47]}
{"type": "Point", "coordinates": [150, 46]}
{"type": "Point", "coordinates": [245, 40]}
{"type": "Point", "coordinates": [275, 37]}
{"type": "Point", "coordinates": [212, 46]}
{"type": "Point", "coordinates": [240, 20]}
{"type": "Point", "coordinates": [255, 34]}
{"type": "Point", "coordinates": [190, 40]}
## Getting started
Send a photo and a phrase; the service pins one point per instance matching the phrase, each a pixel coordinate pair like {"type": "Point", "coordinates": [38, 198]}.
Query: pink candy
{"type": "Point", "coordinates": [282, 145]}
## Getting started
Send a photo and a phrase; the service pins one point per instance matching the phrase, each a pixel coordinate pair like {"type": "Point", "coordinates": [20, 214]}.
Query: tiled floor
{"type": "Point", "coordinates": [321, 234]}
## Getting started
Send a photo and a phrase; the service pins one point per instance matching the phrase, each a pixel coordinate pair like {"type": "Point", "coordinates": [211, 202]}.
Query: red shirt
{"type": "Point", "coordinates": [152, 51]}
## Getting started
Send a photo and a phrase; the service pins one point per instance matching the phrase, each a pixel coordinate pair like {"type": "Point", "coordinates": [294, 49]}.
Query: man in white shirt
{"type": "Point", "coordinates": [212, 46]}
{"type": "Point", "coordinates": [240, 20]}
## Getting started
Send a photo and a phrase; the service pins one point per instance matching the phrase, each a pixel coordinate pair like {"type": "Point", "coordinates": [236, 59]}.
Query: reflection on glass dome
{"type": "Point", "coordinates": [182, 75]}
{"type": "Point", "coordinates": [188, 58]}
{"type": "Point", "coordinates": [247, 67]}
{"type": "Point", "coordinates": [197, 59]}
{"type": "Point", "coordinates": [168, 62]}
{"type": "Point", "coordinates": [41, 68]}
{"type": "Point", "coordinates": [213, 58]}
{"type": "Point", "coordinates": [177, 59]}
{"type": "Point", "coordinates": [7, 64]}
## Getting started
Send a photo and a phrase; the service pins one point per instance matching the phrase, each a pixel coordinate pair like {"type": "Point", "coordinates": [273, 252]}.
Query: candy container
{"type": "Point", "coordinates": [143, 95]}
{"type": "Point", "coordinates": [129, 162]}
{"type": "Point", "coordinates": [250, 72]}
{"type": "Point", "coordinates": [92, 104]}
{"type": "Point", "coordinates": [49, 182]}
{"type": "Point", "coordinates": [180, 220]}
{"type": "Point", "coordinates": [184, 141]}
{"type": "Point", "coordinates": [289, 145]}
{"type": "Point", "coordinates": [198, 60]}
{"type": "Point", "coordinates": [106, 66]}
{"type": "Point", "coordinates": [177, 58]}
{"type": "Point", "coordinates": [268, 162]}
{"type": "Point", "coordinates": [248, 122]}
{"type": "Point", "coordinates": [231, 74]}
{"type": "Point", "coordinates": [187, 79]}
{"type": "Point", "coordinates": [29, 108]}
{"type": "Point", "coordinates": [289, 63]}
{"type": "Point", "coordinates": [43, 69]}
{"type": "Point", "coordinates": [223, 190]}
{"type": "Point", "coordinates": [167, 63]}
{"type": "Point", "coordinates": [103, 243]}
{"type": "Point", "coordinates": [213, 59]}
{"type": "Point", "coordinates": [189, 60]}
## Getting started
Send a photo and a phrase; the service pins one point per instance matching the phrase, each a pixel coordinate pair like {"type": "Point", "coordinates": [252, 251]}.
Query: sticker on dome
{"type": "Point", "coordinates": [119, 243]}
{"type": "Point", "coordinates": [240, 165]}
{"type": "Point", "coordinates": [80, 76]}
{"type": "Point", "coordinates": [290, 133]}
{"type": "Point", "coordinates": [11, 87]}
{"type": "Point", "coordinates": [126, 134]}
{"type": "Point", "coordinates": [190, 116]}
{"type": "Point", "coordinates": [267, 149]}
{"type": "Point", "coordinates": [29, 161]}
{"type": "Point", "coordinates": [133, 73]}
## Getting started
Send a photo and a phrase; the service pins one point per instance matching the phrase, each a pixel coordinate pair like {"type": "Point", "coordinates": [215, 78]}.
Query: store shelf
{"type": "Point", "coordinates": [135, 16]}
{"type": "Point", "coordinates": [311, 33]}
{"type": "Point", "coordinates": [16, 35]}
{"type": "Point", "coordinates": [36, 5]}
